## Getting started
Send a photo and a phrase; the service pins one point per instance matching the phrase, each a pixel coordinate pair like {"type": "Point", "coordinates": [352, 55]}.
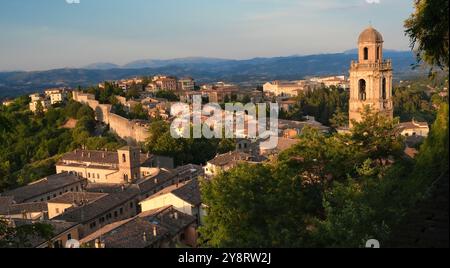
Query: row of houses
{"type": "Point", "coordinates": [50, 97]}
{"type": "Point", "coordinates": [293, 88]}
{"type": "Point", "coordinates": [159, 207]}
{"type": "Point", "coordinates": [155, 83]}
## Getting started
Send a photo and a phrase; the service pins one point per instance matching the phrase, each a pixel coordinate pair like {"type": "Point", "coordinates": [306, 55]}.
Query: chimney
{"type": "Point", "coordinates": [175, 215]}
{"type": "Point", "coordinates": [155, 231]}
{"type": "Point", "coordinates": [156, 180]}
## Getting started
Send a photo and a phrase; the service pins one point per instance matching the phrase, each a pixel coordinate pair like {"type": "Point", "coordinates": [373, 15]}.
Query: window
{"type": "Point", "coordinates": [124, 158]}
{"type": "Point", "coordinates": [366, 53]}
{"type": "Point", "coordinates": [115, 214]}
{"type": "Point", "coordinates": [57, 244]}
{"type": "Point", "coordinates": [362, 90]}
{"type": "Point", "coordinates": [131, 205]}
{"type": "Point", "coordinates": [383, 89]}
{"type": "Point", "coordinates": [121, 211]}
{"type": "Point", "coordinates": [57, 211]}
{"type": "Point", "coordinates": [378, 53]}
{"type": "Point", "coordinates": [69, 237]}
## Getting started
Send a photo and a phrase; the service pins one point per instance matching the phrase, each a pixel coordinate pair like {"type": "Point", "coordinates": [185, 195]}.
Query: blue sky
{"type": "Point", "coordinates": [46, 34]}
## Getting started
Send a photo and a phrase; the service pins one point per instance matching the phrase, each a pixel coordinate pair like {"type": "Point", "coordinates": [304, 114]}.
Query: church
{"type": "Point", "coordinates": [370, 78]}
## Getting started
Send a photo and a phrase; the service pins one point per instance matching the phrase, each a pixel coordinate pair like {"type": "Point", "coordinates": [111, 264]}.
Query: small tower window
{"type": "Point", "coordinates": [378, 53]}
{"type": "Point", "coordinates": [366, 53]}
{"type": "Point", "coordinates": [124, 158]}
{"type": "Point", "coordinates": [383, 89]}
{"type": "Point", "coordinates": [362, 90]}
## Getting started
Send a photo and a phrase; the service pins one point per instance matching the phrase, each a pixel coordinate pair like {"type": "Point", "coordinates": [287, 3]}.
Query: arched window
{"type": "Point", "coordinates": [383, 89]}
{"type": "Point", "coordinates": [366, 53]}
{"type": "Point", "coordinates": [124, 158]}
{"type": "Point", "coordinates": [362, 90]}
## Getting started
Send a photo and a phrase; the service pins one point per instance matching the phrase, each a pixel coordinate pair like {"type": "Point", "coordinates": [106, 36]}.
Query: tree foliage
{"type": "Point", "coordinates": [184, 151]}
{"type": "Point", "coordinates": [21, 236]}
{"type": "Point", "coordinates": [427, 29]}
{"type": "Point", "coordinates": [30, 144]}
{"type": "Point", "coordinates": [326, 191]}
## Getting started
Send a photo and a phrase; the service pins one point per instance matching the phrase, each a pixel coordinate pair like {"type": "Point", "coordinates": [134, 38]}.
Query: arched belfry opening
{"type": "Point", "coordinates": [366, 53]}
{"type": "Point", "coordinates": [362, 90]}
{"type": "Point", "coordinates": [383, 89]}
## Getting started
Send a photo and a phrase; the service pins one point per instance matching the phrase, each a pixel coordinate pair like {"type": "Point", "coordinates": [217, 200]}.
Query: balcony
{"type": "Point", "coordinates": [384, 65]}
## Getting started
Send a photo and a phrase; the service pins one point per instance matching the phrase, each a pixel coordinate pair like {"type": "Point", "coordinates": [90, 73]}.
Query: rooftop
{"type": "Point", "coordinates": [96, 157]}
{"type": "Point", "coordinates": [15, 209]}
{"type": "Point", "coordinates": [225, 159]}
{"type": "Point", "coordinates": [188, 191]}
{"type": "Point", "coordinates": [77, 198]}
{"type": "Point", "coordinates": [144, 230]}
{"type": "Point", "coordinates": [413, 124]}
{"type": "Point", "coordinates": [87, 212]}
{"type": "Point", "coordinates": [150, 183]}
{"type": "Point", "coordinates": [370, 35]}
{"type": "Point", "coordinates": [43, 186]}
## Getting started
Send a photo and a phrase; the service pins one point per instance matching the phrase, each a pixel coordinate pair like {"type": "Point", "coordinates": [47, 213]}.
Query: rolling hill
{"type": "Point", "coordinates": [204, 70]}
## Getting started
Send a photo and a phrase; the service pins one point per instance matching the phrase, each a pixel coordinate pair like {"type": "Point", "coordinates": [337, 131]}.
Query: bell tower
{"type": "Point", "coordinates": [129, 163]}
{"type": "Point", "coordinates": [370, 78]}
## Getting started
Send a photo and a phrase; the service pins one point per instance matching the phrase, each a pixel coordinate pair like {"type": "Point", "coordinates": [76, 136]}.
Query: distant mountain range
{"type": "Point", "coordinates": [203, 70]}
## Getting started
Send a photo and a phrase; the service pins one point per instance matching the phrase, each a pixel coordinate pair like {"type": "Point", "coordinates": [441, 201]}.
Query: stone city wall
{"type": "Point", "coordinates": [130, 130]}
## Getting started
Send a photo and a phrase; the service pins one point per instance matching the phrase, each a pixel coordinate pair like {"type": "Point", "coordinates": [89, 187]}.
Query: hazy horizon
{"type": "Point", "coordinates": [52, 34]}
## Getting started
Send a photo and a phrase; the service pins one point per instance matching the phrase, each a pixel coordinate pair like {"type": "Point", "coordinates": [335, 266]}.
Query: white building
{"type": "Point", "coordinates": [57, 95]}
{"type": "Point", "coordinates": [37, 99]}
{"type": "Point", "coordinates": [414, 128]}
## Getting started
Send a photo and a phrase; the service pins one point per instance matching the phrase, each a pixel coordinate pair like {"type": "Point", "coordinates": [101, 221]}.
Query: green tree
{"type": "Point", "coordinates": [39, 109]}
{"type": "Point", "coordinates": [377, 136]}
{"type": "Point", "coordinates": [339, 119]}
{"type": "Point", "coordinates": [138, 112]}
{"type": "Point", "coordinates": [20, 236]}
{"type": "Point", "coordinates": [427, 29]}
